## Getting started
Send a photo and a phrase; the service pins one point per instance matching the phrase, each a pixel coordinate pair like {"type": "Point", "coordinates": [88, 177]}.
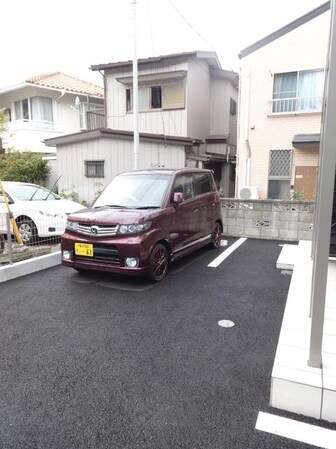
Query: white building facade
{"type": "Point", "coordinates": [281, 91]}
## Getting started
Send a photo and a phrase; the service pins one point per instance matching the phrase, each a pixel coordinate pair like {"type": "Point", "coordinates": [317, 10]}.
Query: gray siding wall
{"type": "Point", "coordinates": [117, 154]}
{"type": "Point", "coordinates": [172, 122]}
{"type": "Point", "coordinates": [198, 95]}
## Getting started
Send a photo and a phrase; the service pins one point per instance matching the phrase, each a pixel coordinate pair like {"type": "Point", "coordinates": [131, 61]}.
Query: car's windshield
{"type": "Point", "coordinates": [134, 191]}
{"type": "Point", "coordinates": [31, 192]}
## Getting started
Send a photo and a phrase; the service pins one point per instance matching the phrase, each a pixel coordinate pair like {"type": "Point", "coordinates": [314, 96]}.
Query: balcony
{"type": "Point", "coordinates": [95, 119]}
{"type": "Point", "coordinates": [34, 125]}
{"type": "Point", "coordinates": [296, 105]}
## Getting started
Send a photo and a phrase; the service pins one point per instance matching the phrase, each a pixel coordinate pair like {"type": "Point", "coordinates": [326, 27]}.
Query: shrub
{"type": "Point", "coordinates": [23, 167]}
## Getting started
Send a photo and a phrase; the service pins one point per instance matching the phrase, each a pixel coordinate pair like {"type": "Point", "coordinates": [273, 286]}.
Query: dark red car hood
{"type": "Point", "coordinates": [107, 215]}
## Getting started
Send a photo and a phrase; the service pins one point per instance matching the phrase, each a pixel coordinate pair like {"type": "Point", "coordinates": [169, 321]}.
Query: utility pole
{"type": "Point", "coordinates": [136, 155]}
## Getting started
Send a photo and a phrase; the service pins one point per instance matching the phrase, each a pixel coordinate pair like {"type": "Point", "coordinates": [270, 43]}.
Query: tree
{"type": "Point", "coordinates": [23, 166]}
{"type": "Point", "coordinates": [3, 120]}
{"type": "Point", "coordinates": [3, 126]}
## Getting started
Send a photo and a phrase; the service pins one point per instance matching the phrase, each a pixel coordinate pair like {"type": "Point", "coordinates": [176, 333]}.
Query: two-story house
{"type": "Point", "coordinates": [47, 106]}
{"type": "Point", "coordinates": [281, 91]}
{"type": "Point", "coordinates": [187, 117]}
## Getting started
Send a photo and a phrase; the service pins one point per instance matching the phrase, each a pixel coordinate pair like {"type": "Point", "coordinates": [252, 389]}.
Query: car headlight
{"type": "Point", "coordinates": [134, 228]}
{"type": "Point", "coordinates": [71, 225]}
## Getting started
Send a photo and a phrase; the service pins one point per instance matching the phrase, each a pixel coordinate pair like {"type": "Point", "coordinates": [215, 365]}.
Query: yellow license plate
{"type": "Point", "coordinates": [84, 249]}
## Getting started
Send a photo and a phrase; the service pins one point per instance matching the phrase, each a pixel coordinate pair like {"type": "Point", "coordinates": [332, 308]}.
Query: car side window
{"type": "Point", "coordinates": [184, 184]}
{"type": "Point", "coordinates": [203, 184]}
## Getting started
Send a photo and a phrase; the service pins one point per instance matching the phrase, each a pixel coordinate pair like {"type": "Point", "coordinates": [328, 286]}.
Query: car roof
{"type": "Point", "coordinates": [12, 183]}
{"type": "Point", "coordinates": [168, 171]}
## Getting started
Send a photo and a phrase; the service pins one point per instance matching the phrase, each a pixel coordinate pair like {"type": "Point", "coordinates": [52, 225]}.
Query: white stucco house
{"type": "Point", "coordinates": [187, 117]}
{"type": "Point", "coordinates": [44, 106]}
{"type": "Point", "coordinates": [281, 91]}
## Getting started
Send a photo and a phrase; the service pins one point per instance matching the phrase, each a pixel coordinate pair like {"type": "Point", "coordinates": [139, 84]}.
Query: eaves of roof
{"type": "Point", "coordinates": [119, 134]}
{"type": "Point", "coordinates": [306, 140]}
{"type": "Point", "coordinates": [210, 56]}
{"type": "Point", "coordinates": [60, 82]}
{"type": "Point", "coordinates": [286, 29]}
{"type": "Point", "coordinates": [231, 76]}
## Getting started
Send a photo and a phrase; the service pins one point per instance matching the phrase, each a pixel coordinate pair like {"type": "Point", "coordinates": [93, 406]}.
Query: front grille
{"type": "Point", "coordinates": [97, 231]}
{"type": "Point", "coordinates": [102, 254]}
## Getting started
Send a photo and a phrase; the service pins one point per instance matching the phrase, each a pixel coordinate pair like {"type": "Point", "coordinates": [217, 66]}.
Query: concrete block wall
{"type": "Point", "coordinates": [268, 219]}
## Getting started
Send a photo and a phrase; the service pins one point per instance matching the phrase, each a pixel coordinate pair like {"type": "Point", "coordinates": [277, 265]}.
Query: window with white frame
{"type": "Point", "coordinates": [166, 96]}
{"type": "Point", "coordinates": [279, 175]}
{"type": "Point", "coordinates": [94, 169]}
{"type": "Point", "coordinates": [37, 108]}
{"type": "Point", "coordinates": [298, 91]}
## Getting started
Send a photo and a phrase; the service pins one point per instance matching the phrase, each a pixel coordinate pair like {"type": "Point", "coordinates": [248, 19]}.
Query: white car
{"type": "Point", "coordinates": [38, 212]}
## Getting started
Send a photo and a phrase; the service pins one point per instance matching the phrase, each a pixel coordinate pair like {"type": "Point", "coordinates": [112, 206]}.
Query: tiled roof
{"type": "Point", "coordinates": [58, 80]}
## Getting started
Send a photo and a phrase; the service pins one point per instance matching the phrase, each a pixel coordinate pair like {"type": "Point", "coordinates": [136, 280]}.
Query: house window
{"type": "Point", "coordinates": [36, 108]}
{"type": "Point", "coordinates": [149, 98]}
{"type": "Point", "coordinates": [22, 110]}
{"type": "Point", "coordinates": [94, 169]}
{"type": "Point", "coordinates": [280, 165]}
{"type": "Point", "coordinates": [167, 96]}
{"type": "Point", "coordinates": [41, 109]}
{"type": "Point", "coordinates": [298, 91]}
{"type": "Point", "coordinates": [233, 107]}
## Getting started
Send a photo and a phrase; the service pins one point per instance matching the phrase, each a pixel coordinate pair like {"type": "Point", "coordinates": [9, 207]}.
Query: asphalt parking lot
{"type": "Point", "coordinates": [94, 361]}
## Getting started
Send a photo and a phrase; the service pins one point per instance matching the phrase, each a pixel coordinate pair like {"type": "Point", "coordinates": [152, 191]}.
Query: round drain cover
{"type": "Point", "coordinates": [226, 323]}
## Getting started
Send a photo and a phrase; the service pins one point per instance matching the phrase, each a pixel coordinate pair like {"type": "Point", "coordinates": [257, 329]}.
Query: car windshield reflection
{"type": "Point", "coordinates": [29, 192]}
{"type": "Point", "coordinates": [136, 191]}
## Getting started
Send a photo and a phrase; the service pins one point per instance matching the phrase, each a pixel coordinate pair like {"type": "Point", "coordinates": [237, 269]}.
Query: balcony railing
{"type": "Point", "coordinates": [95, 119]}
{"type": "Point", "coordinates": [33, 125]}
{"type": "Point", "coordinates": [296, 104]}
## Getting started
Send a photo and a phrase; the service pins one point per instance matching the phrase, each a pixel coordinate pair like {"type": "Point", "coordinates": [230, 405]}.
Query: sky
{"type": "Point", "coordinates": [42, 36]}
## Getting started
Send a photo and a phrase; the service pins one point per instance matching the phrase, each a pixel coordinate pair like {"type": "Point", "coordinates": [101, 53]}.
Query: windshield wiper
{"type": "Point", "coordinates": [148, 207]}
{"type": "Point", "coordinates": [34, 193]}
{"type": "Point", "coordinates": [113, 206]}
{"type": "Point", "coordinates": [50, 190]}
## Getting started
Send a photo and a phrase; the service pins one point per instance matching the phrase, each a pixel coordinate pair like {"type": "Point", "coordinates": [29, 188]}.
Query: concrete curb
{"type": "Point", "coordinates": [29, 266]}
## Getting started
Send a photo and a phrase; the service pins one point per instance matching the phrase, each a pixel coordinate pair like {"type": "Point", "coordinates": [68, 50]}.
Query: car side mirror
{"type": "Point", "coordinates": [178, 197]}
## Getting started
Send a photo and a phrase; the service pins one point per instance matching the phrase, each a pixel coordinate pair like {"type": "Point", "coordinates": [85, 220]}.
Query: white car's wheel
{"type": "Point", "coordinates": [2, 243]}
{"type": "Point", "coordinates": [27, 229]}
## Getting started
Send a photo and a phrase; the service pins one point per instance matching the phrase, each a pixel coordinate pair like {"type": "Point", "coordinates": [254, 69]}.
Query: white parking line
{"type": "Point", "coordinates": [226, 253]}
{"type": "Point", "coordinates": [298, 431]}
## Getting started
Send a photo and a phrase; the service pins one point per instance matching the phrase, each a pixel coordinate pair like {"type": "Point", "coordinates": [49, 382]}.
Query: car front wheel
{"type": "Point", "coordinates": [158, 263]}
{"type": "Point", "coordinates": [27, 229]}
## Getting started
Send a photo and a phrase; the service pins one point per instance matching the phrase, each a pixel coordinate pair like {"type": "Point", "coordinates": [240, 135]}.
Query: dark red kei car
{"type": "Point", "coordinates": [142, 221]}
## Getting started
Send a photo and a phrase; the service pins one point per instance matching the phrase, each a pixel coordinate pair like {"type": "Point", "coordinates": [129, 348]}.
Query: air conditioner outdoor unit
{"type": "Point", "coordinates": [248, 193]}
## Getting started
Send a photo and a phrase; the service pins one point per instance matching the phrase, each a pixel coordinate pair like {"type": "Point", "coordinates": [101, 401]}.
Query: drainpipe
{"type": "Point", "coordinates": [63, 92]}
{"type": "Point", "coordinates": [247, 164]}
{"type": "Point", "coordinates": [105, 95]}
{"type": "Point", "coordinates": [61, 96]}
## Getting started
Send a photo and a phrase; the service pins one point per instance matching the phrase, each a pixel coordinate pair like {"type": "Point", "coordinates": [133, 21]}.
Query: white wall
{"type": "Point", "coordinates": [25, 135]}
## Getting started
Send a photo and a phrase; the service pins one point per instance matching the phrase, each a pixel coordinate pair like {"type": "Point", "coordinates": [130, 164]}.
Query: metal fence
{"type": "Point", "coordinates": [36, 240]}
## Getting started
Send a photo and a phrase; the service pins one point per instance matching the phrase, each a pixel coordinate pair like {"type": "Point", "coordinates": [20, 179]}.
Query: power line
{"type": "Point", "coordinates": [190, 25]}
